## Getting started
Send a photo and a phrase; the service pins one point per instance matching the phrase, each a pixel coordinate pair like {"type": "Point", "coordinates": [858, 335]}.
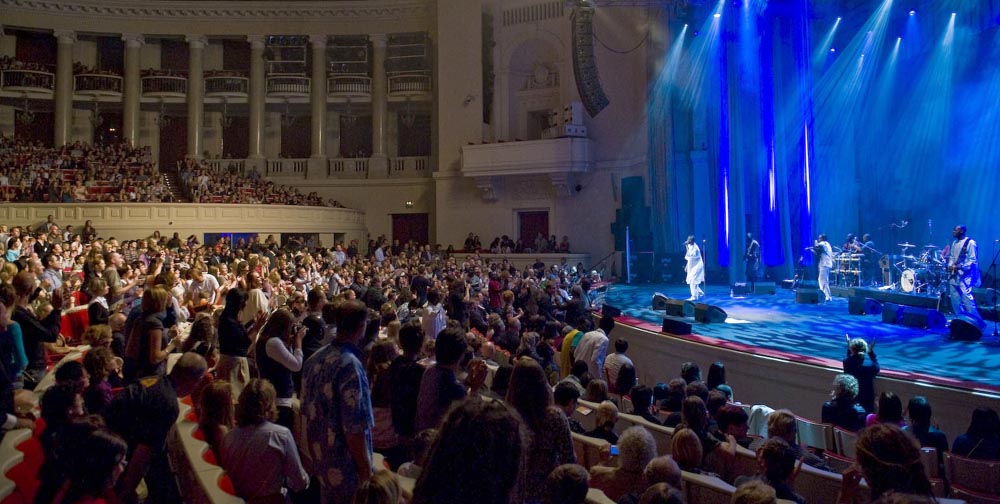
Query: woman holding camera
{"type": "Point", "coordinates": [279, 354]}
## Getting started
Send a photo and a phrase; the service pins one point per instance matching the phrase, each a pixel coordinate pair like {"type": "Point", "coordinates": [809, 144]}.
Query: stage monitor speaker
{"type": "Point", "coordinates": [588, 84]}
{"type": "Point", "coordinates": [913, 316]}
{"type": "Point", "coordinates": [964, 328]}
{"type": "Point", "coordinates": [679, 308]}
{"type": "Point", "coordinates": [676, 325]}
{"type": "Point", "coordinates": [873, 307]}
{"type": "Point", "coordinates": [856, 305]}
{"type": "Point", "coordinates": [708, 314]}
{"type": "Point", "coordinates": [659, 301]}
{"type": "Point", "coordinates": [611, 311]}
{"type": "Point", "coordinates": [891, 313]}
{"type": "Point", "coordinates": [807, 296]}
{"type": "Point", "coordinates": [766, 288]}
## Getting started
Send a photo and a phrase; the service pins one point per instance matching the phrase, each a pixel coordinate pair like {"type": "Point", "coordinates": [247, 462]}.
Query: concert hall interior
{"type": "Point", "coordinates": [736, 180]}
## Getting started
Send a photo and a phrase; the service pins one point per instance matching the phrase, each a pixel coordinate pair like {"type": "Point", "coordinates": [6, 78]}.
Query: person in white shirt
{"type": "Point", "coordinates": [204, 282]}
{"type": "Point", "coordinates": [434, 319]}
{"type": "Point", "coordinates": [593, 346]}
{"type": "Point", "coordinates": [963, 269]}
{"type": "Point", "coordinates": [825, 262]}
{"type": "Point", "coordinates": [614, 362]}
{"type": "Point", "coordinates": [695, 268]}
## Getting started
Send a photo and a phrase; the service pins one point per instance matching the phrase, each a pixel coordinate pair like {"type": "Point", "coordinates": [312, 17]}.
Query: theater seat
{"type": "Point", "coordinates": [973, 475]}
{"type": "Point", "coordinates": [588, 450]}
{"type": "Point", "coordinates": [702, 489]}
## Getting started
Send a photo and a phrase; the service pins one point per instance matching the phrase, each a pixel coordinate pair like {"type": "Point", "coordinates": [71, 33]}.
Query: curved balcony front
{"type": "Point", "coordinates": [97, 84]}
{"type": "Point", "coordinates": [349, 86]}
{"type": "Point", "coordinates": [164, 86]}
{"type": "Point", "coordinates": [410, 85]}
{"type": "Point", "coordinates": [227, 86]}
{"type": "Point", "coordinates": [288, 86]}
{"type": "Point", "coordinates": [28, 81]}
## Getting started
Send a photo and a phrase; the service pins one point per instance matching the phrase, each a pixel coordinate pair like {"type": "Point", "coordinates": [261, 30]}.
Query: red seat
{"type": "Point", "coordinates": [191, 416]}
{"type": "Point", "coordinates": [226, 484]}
{"type": "Point", "coordinates": [25, 474]}
{"type": "Point", "coordinates": [198, 434]}
{"type": "Point", "coordinates": [209, 456]}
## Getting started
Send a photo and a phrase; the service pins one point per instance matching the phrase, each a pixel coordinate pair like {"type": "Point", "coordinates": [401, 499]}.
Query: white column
{"type": "Point", "coordinates": [257, 99]}
{"type": "Point", "coordinates": [379, 164]}
{"type": "Point", "coordinates": [132, 95]}
{"type": "Point", "coordinates": [195, 94]}
{"type": "Point", "coordinates": [64, 86]}
{"type": "Point", "coordinates": [317, 96]}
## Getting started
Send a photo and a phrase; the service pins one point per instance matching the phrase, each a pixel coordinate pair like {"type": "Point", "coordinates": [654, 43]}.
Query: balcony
{"type": "Point", "coordinates": [287, 167]}
{"type": "Point", "coordinates": [227, 86]}
{"type": "Point", "coordinates": [348, 168]}
{"type": "Point", "coordinates": [227, 166]}
{"type": "Point", "coordinates": [410, 85]}
{"type": "Point", "coordinates": [97, 84]}
{"type": "Point", "coordinates": [164, 86]}
{"type": "Point", "coordinates": [25, 81]}
{"type": "Point", "coordinates": [559, 159]}
{"type": "Point", "coordinates": [287, 86]}
{"type": "Point", "coordinates": [409, 167]}
{"type": "Point", "coordinates": [349, 86]}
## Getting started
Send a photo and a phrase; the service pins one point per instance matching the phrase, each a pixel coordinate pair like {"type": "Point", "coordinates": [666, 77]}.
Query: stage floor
{"type": "Point", "coordinates": [815, 334]}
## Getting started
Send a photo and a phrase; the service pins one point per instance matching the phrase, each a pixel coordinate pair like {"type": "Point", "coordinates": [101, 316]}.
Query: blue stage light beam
{"type": "Point", "coordinates": [825, 46]}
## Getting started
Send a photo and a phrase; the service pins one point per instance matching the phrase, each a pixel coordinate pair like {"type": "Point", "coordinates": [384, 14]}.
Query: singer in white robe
{"type": "Point", "coordinates": [695, 269]}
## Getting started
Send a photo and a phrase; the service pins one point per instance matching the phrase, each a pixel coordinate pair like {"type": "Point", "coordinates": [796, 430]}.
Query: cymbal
{"type": "Point", "coordinates": [909, 257]}
{"type": "Point", "coordinates": [930, 246]}
{"type": "Point", "coordinates": [905, 245]}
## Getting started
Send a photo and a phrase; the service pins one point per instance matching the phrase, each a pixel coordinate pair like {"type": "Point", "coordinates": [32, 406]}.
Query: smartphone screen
{"type": "Point", "coordinates": [614, 450]}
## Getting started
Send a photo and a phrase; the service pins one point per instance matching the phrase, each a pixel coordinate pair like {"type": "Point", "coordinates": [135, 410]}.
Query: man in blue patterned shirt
{"type": "Point", "coordinates": [336, 402]}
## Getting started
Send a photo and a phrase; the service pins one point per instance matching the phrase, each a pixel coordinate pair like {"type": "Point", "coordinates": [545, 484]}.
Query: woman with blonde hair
{"type": "Point", "coordinates": [381, 488]}
{"type": "Point", "coordinates": [146, 351]}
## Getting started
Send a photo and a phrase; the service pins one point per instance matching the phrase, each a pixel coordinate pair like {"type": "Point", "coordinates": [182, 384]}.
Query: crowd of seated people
{"type": "Point", "coordinates": [207, 185]}
{"type": "Point", "coordinates": [387, 355]}
{"type": "Point", "coordinates": [505, 245]}
{"type": "Point", "coordinates": [78, 173]}
{"type": "Point", "coordinates": [9, 63]}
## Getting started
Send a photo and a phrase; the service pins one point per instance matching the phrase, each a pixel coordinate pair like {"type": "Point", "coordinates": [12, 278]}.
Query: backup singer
{"type": "Point", "coordinates": [695, 268]}
{"type": "Point", "coordinates": [752, 258]}
{"type": "Point", "coordinates": [963, 266]}
{"type": "Point", "coordinates": [825, 260]}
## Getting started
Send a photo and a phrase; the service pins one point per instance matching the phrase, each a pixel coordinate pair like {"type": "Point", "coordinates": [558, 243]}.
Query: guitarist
{"type": "Point", "coordinates": [752, 258]}
{"type": "Point", "coordinates": [963, 269]}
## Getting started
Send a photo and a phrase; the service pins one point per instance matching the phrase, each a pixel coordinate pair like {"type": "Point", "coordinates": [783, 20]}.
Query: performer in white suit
{"type": "Point", "coordinates": [825, 254]}
{"type": "Point", "coordinates": [695, 269]}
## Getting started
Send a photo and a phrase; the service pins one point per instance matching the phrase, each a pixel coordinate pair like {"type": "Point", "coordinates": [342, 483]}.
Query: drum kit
{"type": "Point", "coordinates": [925, 273]}
{"type": "Point", "coordinates": [847, 267]}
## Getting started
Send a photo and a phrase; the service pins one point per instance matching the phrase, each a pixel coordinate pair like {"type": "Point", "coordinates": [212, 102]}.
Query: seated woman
{"type": "Point", "coordinates": [843, 410]}
{"type": "Point", "coordinates": [982, 439]}
{"type": "Point", "coordinates": [889, 410]}
{"type": "Point", "coordinates": [260, 456]}
{"type": "Point", "coordinates": [685, 449]}
{"type": "Point", "coordinates": [597, 391]}
{"type": "Point", "coordinates": [889, 460]}
{"type": "Point", "coordinates": [604, 424]}
{"type": "Point", "coordinates": [635, 449]}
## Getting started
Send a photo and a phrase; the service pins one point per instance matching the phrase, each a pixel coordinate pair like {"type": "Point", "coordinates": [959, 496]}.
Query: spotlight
{"type": "Point", "coordinates": [718, 15]}
{"type": "Point", "coordinates": [953, 14]}
{"type": "Point", "coordinates": [833, 49]}
{"type": "Point", "coordinates": [839, 18]}
{"type": "Point", "coordinates": [913, 12]}
{"type": "Point", "coordinates": [696, 32]}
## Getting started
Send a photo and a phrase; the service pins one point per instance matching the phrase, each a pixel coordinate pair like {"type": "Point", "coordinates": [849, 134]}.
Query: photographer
{"type": "Point", "coordinates": [279, 354]}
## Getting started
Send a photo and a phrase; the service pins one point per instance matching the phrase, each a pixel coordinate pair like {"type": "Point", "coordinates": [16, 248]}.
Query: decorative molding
{"type": "Point", "coordinates": [225, 9]}
{"type": "Point", "coordinates": [256, 41]}
{"type": "Point", "coordinates": [318, 41]}
{"type": "Point", "coordinates": [378, 39]}
{"type": "Point", "coordinates": [64, 36]}
{"type": "Point", "coordinates": [196, 41]}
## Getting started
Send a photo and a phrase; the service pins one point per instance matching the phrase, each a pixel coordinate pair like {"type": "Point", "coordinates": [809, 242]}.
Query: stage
{"type": "Point", "coordinates": [774, 325]}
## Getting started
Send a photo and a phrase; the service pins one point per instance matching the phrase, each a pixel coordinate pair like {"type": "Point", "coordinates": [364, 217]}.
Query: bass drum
{"type": "Point", "coordinates": [908, 281]}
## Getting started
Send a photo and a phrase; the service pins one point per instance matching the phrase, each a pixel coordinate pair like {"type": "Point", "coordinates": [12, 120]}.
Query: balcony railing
{"type": "Point", "coordinates": [227, 166]}
{"type": "Point", "coordinates": [227, 86]}
{"type": "Point", "coordinates": [409, 167]}
{"type": "Point", "coordinates": [288, 85]}
{"type": "Point", "coordinates": [409, 84]}
{"type": "Point", "coordinates": [97, 84]}
{"type": "Point", "coordinates": [164, 85]}
{"type": "Point", "coordinates": [349, 85]}
{"type": "Point", "coordinates": [22, 80]}
{"type": "Point", "coordinates": [287, 167]}
{"type": "Point", "coordinates": [348, 168]}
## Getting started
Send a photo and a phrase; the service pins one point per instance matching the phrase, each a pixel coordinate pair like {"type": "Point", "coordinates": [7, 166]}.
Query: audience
{"type": "Point", "coordinates": [216, 415]}
{"type": "Point", "coordinates": [778, 467]}
{"type": "Point", "coordinates": [864, 371]}
{"type": "Point", "coordinates": [604, 423]}
{"type": "Point", "coordinates": [887, 459]}
{"type": "Point", "coordinates": [567, 484]}
{"type": "Point", "coordinates": [635, 451]}
{"type": "Point", "coordinates": [982, 439]}
{"type": "Point", "coordinates": [843, 410]}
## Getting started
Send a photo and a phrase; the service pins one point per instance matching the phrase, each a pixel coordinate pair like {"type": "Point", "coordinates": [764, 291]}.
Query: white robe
{"type": "Point", "coordinates": [695, 267]}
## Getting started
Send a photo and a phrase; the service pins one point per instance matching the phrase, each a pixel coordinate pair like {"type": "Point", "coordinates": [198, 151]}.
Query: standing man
{"type": "Point", "coordinates": [824, 254]}
{"type": "Point", "coordinates": [752, 258]}
{"type": "Point", "coordinates": [695, 269]}
{"type": "Point", "coordinates": [963, 269]}
{"type": "Point", "coordinates": [593, 347]}
{"type": "Point", "coordinates": [336, 401]}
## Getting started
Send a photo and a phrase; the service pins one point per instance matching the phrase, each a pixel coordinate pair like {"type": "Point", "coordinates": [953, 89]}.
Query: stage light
{"type": "Point", "coordinates": [833, 49]}
{"type": "Point", "coordinates": [839, 18]}
{"type": "Point", "coordinates": [913, 12]}
{"type": "Point", "coordinates": [718, 15]}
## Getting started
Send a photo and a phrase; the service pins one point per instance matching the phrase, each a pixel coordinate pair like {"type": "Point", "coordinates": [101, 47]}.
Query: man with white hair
{"type": "Point", "coordinates": [636, 448]}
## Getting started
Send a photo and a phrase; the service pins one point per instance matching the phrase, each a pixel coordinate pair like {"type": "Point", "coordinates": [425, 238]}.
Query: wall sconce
{"type": "Point", "coordinates": [408, 204]}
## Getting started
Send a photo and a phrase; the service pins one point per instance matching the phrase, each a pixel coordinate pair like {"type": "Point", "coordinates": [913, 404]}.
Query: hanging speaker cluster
{"type": "Point", "coordinates": [584, 69]}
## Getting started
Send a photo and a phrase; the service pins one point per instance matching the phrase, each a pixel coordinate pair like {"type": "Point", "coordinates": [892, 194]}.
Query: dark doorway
{"type": "Point", "coordinates": [355, 136]}
{"type": "Point", "coordinates": [35, 127]}
{"type": "Point", "coordinates": [406, 227]}
{"type": "Point", "coordinates": [235, 138]}
{"type": "Point", "coordinates": [295, 137]}
{"type": "Point", "coordinates": [173, 141]}
{"type": "Point", "coordinates": [530, 224]}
